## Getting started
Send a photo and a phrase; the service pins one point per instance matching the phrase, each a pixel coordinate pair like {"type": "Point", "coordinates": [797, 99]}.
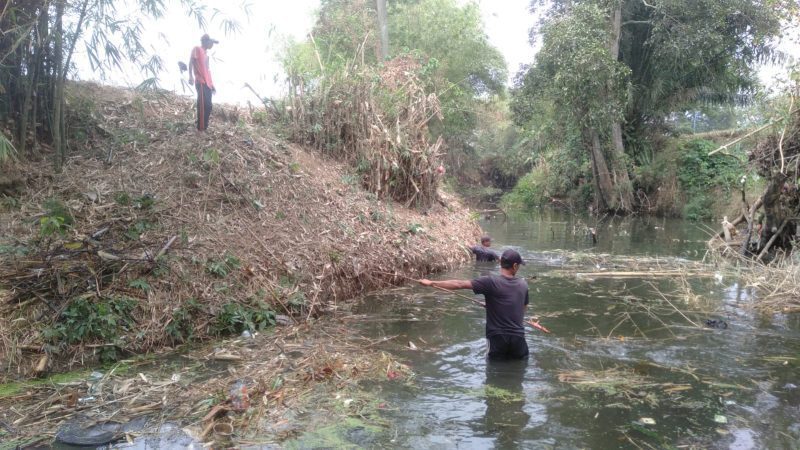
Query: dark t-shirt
{"type": "Point", "coordinates": [505, 303]}
{"type": "Point", "coordinates": [484, 254]}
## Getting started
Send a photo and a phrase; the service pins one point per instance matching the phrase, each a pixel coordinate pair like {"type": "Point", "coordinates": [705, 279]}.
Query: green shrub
{"type": "Point", "coordinates": [57, 218]}
{"type": "Point", "coordinates": [222, 267]}
{"type": "Point", "coordinates": [100, 320]}
{"type": "Point", "coordinates": [700, 174]}
{"type": "Point", "coordinates": [122, 198]}
{"type": "Point", "coordinates": [236, 317]}
{"type": "Point", "coordinates": [135, 231]}
{"type": "Point", "coordinates": [180, 328]}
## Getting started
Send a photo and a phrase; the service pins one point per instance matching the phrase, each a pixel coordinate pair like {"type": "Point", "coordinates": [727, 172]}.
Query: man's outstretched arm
{"type": "Point", "coordinates": [450, 285]}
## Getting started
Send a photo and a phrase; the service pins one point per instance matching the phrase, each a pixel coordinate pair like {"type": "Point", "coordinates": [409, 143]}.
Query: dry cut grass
{"type": "Point", "coordinates": [194, 230]}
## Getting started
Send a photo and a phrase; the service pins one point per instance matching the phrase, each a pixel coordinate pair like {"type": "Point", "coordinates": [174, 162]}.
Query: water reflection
{"type": "Point", "coordinates": [505, 416]}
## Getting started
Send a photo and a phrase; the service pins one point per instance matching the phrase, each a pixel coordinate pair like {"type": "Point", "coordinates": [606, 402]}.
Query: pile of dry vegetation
{"type": "Point", "coordinates": [250, 388]}
{"type": "Point", "coordinates": [378, 121]}
{"type": "Point", "coordinates": [765, 246]}
{"type": "Point", "coordinates": [154, 235]}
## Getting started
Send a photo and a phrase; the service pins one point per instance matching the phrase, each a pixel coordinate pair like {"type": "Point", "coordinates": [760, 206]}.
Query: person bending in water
{"type": "Point", "coordinates": [482, 252]}
{"type": "Point", "coordinates": [506, 299]}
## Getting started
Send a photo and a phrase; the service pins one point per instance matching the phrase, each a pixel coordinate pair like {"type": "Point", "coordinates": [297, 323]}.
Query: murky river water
{"type": "Point", "coordinates": [621, 368]}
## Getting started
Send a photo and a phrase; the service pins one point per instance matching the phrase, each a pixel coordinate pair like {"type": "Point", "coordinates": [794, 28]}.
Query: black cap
{"type": "Point", "coordinates": [509, 258]}
{"type": "Point", "coordinates": [207, 38]}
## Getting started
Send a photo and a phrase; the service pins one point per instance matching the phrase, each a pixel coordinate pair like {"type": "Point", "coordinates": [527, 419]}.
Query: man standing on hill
{"type": "Point", "coordinates": [200, 76]}
{"type": "Point", "coordinates": [506, 299]}
{"type": "Point", "coordinates": [482, 252]}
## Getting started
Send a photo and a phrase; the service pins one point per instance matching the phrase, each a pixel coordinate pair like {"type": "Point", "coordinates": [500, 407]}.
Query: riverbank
{"type": "Point", "coordinates": [154, 235]}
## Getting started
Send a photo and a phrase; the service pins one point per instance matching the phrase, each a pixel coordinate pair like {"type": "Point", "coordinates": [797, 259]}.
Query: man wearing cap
{"type": "Point", "coordinates": [482, 252]}
{"type": "Point", "coordinates": [200, 76]}
{"type": "Point", "coordinates": [506, 298]}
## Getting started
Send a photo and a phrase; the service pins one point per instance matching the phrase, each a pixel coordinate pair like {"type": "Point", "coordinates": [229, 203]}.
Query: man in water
{"type": "Point", "coordinates": [506, 299]}
{"type": "Point", "coordinates": [482, 252]}
{"type": "Point", "coordinates": [200, 76]}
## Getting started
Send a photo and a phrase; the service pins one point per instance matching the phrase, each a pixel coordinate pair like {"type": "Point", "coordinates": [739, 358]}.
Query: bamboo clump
{"type": "Point", "coordinates": [377, 121]}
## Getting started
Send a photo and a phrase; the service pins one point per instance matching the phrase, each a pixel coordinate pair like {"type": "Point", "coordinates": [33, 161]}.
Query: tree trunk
{"type": "Point", "coordinates": [621, 177]}
{"type": "Point", "coordinates": [603, 181]}
{"type": "Point", "coordinates": [774, 215]}
{"type": "Point", "coordinates": [58, 89]}
{"type": "Point", "coordinates": [383, 26]}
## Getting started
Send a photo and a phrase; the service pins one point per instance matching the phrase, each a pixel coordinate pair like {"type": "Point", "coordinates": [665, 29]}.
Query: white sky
{"type": "Point", "coordinates": [251, 56]}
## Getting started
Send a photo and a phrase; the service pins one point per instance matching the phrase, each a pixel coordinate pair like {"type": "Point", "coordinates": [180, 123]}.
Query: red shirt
{"type": "Point", "coordinates": [199, 62]}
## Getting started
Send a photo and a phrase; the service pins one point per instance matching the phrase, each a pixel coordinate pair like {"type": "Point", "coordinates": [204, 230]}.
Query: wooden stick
{"type": "Point", "coordinates": [437, 287]}
{"type": "Point", "coordinates": [768, 124]}
{"type": "Point", "coordinates": [772, 240]}
{"type": "Point", "coordinates": [482, 305]}
{"type": "Point", "coordinates": [165, 247]}
{"type": "Point", "coordinates": [672, 273]}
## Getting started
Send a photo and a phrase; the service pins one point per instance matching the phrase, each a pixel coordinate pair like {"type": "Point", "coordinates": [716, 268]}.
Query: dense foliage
{"type": "Point", "coordinates": [619, 71]}
{"type": "Point", "coordinates": [447, 39]}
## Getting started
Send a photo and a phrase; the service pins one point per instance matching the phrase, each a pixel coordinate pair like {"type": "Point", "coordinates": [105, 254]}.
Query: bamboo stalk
{"type": "Point", "coordinates": [671, 273]}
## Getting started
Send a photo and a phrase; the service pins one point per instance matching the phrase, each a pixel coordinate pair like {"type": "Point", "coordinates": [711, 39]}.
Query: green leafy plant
{"type": "Point", "coordinates": [699, 174]}
{"type": "Point", "coordinates": [180, 328]}
{"type": "Point", "coordinates": [222, 267]}
{"type": "Point", "coordinates": [57, 218]}
{"type": "Point", "coordinates": [161, 266]}
{"type": "Point", "coordinates": [237, 317]}
{"type": "Point", "coordinates": [145, 202]}
{"type": "Point", "coordinates": [211, 157]}
{"type": "Point", "coordinates": [7, 150]}
{"type": "Point", "coordinates": [415, 228]}
{"type": "Point", "coordinates": [14, 250]}
{"type": "Point", "coordinates": [94, 320]}
{"type": "Point", "coordinates": [140, 283]}
{"type": "Point", "coordinates": [9, 203]}
{"type": "Point", "coordinates": [135, 231]}
{"type": "Point", "coordinates": [122, 198]}
{"type": "Point", "coordinates": [297, 301]}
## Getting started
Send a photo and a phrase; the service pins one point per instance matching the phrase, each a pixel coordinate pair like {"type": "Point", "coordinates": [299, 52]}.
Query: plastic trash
{"type": "Point", "coordinates": [246, 334]}
{"type": "Point", "coordinates": [238, 396]}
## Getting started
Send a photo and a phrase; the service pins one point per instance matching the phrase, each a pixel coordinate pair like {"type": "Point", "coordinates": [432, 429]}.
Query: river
{"type": "Point", "coordinates": [622, 368]}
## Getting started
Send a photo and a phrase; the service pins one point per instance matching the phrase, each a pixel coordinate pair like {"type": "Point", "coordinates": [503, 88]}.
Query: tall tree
{"type": "Point", "coordinates": [576, 73]}
{"type": "Point", "coordinates": [675, 54]}
{"type": "Point", "coordinates": [465, 69]}
{"type": "Point", "coordinates": [383, 27]}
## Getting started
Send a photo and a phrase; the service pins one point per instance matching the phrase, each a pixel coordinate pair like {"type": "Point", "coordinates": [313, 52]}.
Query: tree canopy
{"type": "Point", "coordinates": [617, 69]}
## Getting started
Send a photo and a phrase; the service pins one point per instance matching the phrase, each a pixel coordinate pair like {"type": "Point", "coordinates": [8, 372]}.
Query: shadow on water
{"type": "Point", "coordinates": [505, 415]}
{"type": "Point", "coordinates": [626, 365]}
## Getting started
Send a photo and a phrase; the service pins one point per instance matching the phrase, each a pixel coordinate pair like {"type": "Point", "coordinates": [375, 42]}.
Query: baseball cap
{"type": "Point", "coordinates": [207, 38]}
{"type": "Point", "coordinates": [510, 257]}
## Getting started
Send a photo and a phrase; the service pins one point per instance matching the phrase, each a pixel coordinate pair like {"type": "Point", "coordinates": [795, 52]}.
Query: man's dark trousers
{"type": "Point", "coordinates": [203, 105]}
{"type": "Point", "coordinates": [507, 346]}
